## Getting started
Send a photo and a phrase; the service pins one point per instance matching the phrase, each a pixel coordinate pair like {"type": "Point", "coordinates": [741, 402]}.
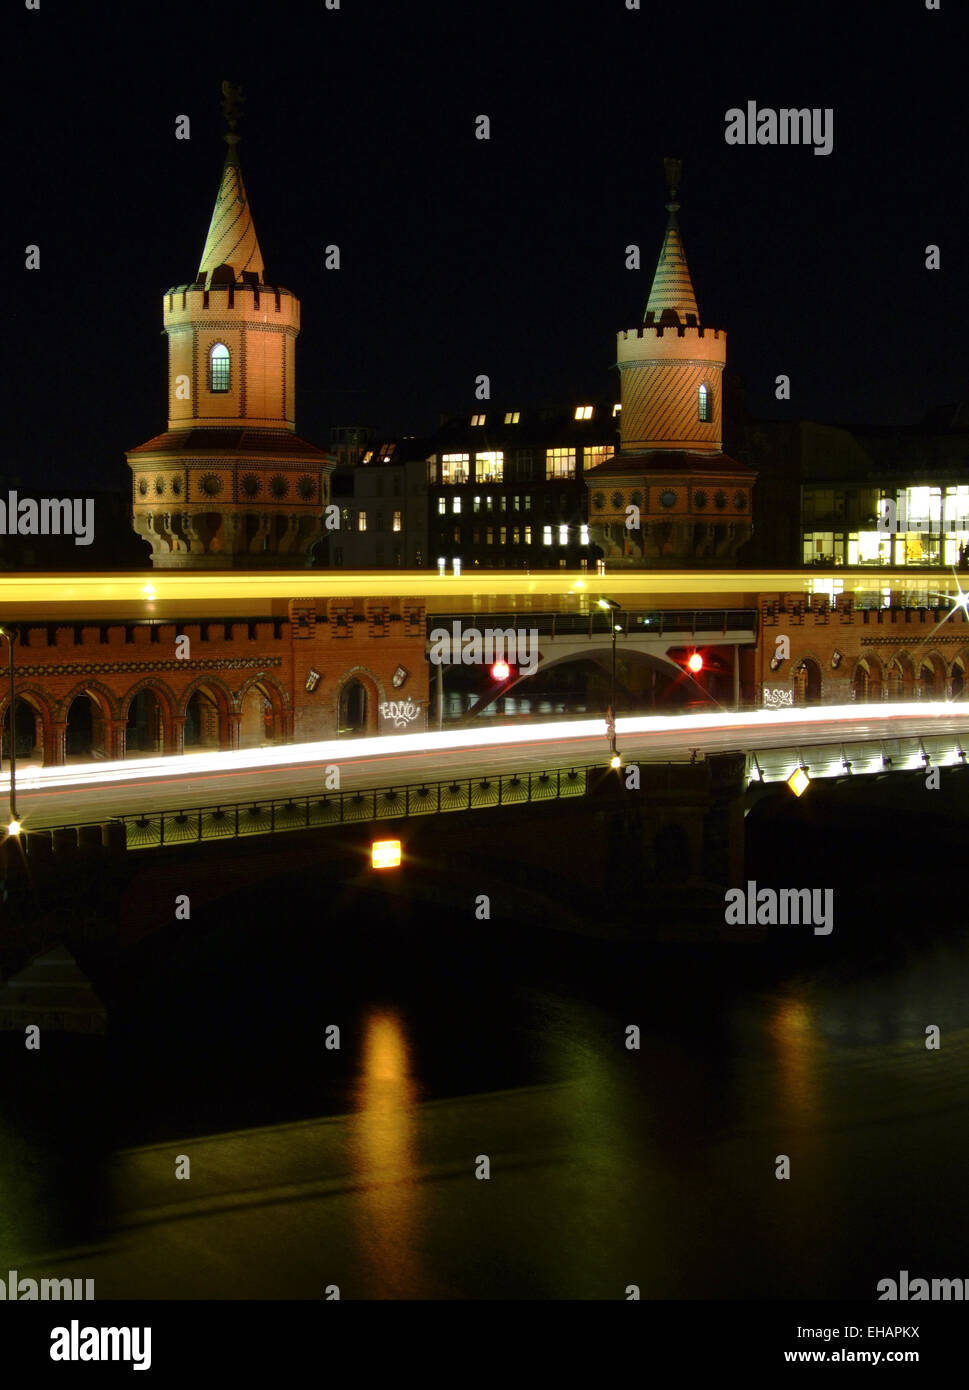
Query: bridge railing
{"type": "Point", "coordinates": [632, 623]}
{"type": "Point", "coordinates": [153, 829]}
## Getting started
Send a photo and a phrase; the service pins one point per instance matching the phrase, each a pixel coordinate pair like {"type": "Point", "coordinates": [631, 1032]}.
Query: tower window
{"type": "Point", "coordinates": [705, 404]}
{"type": "Point", "coordinates": [219, 368]}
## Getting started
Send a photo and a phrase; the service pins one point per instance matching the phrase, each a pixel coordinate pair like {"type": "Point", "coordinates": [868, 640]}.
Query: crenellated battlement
{"type": "Point", "coordinates": [668, 343]}
{"type": "Point", "coordinates": [682, 330]}
{"type": "Point", "coordinates": [195, 306]}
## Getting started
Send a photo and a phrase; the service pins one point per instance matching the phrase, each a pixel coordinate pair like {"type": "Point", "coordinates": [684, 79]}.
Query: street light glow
{"type": "Point", "coordinates": [385, 854]}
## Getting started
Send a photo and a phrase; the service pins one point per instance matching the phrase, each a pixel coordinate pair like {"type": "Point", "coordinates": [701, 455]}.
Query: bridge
{"type": "Point", "coordinates": [554, 637]}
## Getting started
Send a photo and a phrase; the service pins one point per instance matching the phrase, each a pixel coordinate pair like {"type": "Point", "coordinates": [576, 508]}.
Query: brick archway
{"type": "Point", "coordinates": [258, 724]}
{"type": "Point", "coordinates": [97, 728]}
{"type": "Point", "coordinates": [208, 715]}
{"type": "Point", "coordinates": [166, 701]}
{"type": "Point", "coordinates": [374, 695]}
{"type": "Point", "coordinates": [40, 707]}
{"type": "Point", "coordinates": [867, 680]}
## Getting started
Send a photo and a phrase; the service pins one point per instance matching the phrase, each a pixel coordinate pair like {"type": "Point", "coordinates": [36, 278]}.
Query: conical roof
{"type": "Point", "coordinates": [232, 240]}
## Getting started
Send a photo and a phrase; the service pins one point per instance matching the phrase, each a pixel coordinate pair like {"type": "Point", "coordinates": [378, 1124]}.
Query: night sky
{"type": "Point", "coordinates": [460, 256]}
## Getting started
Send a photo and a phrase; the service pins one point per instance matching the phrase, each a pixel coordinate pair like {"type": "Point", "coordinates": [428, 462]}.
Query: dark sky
{"type": "Point", "coordinates": [460, 256]}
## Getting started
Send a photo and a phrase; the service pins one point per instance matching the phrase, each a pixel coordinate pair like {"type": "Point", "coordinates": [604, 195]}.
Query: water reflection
{"type": "Point", "coordinates": [382, 1144]}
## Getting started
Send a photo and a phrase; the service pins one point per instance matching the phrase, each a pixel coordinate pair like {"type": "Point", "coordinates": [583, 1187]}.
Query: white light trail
{"type": "Point", "coordinates": [342, 751]}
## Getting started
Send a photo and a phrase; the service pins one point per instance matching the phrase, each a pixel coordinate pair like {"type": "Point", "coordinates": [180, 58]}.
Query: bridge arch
{"type": "Point", "coordinates": [807, 681]}
{"type": "Point", "coordinates": [206, 705]}
{"type": "Point", "coordinates": [264, 708]}
{"type": "Point", "coordinates": [899, 677]}
{"type": "Point", "coordinates": [355, 702]}
{"type": "Point", "coordinates": [867, 680]}
{"type": "Point", "coordinates": [931, 679]}
{"type": "Point", "coordinates": [147, 710]}
{"type": "Point", "coordinates": [32, 725]}
{"type": "Point", "coordinates": [91, 717]}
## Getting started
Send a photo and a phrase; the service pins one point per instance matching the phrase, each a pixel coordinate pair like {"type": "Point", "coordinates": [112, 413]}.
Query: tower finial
{"type": "Point", "coordinates": [232, 100]}
{"type": "Point", "coordinates": [673, 169]}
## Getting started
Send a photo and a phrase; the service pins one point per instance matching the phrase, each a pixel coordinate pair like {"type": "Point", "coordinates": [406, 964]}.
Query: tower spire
{"type": "Point", "coordinates": [231, 247]}
{"type": "Point", "coordinates": [671, 299]}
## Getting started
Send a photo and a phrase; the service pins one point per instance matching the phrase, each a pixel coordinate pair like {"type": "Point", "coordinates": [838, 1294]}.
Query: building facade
{"type": "Point", "coordinates": [505, 485]}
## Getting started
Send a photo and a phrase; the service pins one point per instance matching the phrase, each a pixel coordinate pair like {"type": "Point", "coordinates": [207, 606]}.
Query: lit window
{"type": "Point", "coordinates": [219, 368]}
{"type": "Point", "coordinates": [397, 521]}
{"type": "Point", "coordinates": [563, 535]}
{"type": "Point", "coordinates": [455, 505]}
{"type": "Point", "coordinates": [441, 506]}
{"type": "Point", "coordinates": [559, 463]}
{"type": "Point", "coordinates": [583, 412]}
{"type": "Point", "coordinates": [477, 504]}
{"type": "Point", "coordinates": [477, 419]}
{"type": "Point", "coordinates": [516, 535]}
{"type": "Point", "coordinates": [490, 467]}
{"type": "Point", "coordinates": [489, 504]}
{"type": "Point", "coordinates": [502, 535]}
{"type": "Point", "coordinates": [594, 454]}
{"type": "Point", "coordinates": [490, 535]}
{"type": "Point", "coordinates": [346, 518]}
{"type": "Point", "coordinates": [454, 468]}
{"type": "Point", "coordinates": [706, 404]}
{"type": "Point", "coordinates": [362, 521]}
{"type": "Point", "coordinates": [512, 417]}
{"type": "Point", "coordinates": [616, 410]}
{"type": "Point", "coordinates": [368, 456]}
{"type": "Point", "coordinates": [546, 535]}
{"type": "Point", "coordinates": [528, 535]}
{"type": "Point", "coordinates": [583, 535]}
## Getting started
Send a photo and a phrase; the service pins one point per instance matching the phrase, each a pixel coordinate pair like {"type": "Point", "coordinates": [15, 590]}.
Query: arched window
{"type": "Point", "coordinates": [705, 403]}
{"type": "Point", "coordinates": [219, 368]}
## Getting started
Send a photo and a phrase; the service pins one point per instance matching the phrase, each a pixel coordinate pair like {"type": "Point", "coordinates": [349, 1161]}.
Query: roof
{"type": "Point", "coordinates": [251, 443]}
{"type": "Point", "coordinates": [667, 461]}
{"type": "Point", "coordinates": [672, 289]}
{"type": "Point", "coordinates": [232, 240]}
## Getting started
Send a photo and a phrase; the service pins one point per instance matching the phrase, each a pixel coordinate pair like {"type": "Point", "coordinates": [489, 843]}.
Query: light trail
{"type": "Point", "coordinates": [851, 718]}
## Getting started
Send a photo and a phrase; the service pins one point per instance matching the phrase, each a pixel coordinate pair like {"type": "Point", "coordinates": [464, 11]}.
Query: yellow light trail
{"type": "Point", "coordinates": [146, 593]}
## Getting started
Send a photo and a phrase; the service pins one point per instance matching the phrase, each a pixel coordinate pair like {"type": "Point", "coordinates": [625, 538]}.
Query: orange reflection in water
{"type": "Point", "coordinates": [383, 1153]}
{"type": "Point", "coordinates": [792, 1029]}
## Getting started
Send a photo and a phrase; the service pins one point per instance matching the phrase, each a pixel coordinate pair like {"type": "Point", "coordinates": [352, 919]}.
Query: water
{"type": "Point", "coordinates": [462, 1039]}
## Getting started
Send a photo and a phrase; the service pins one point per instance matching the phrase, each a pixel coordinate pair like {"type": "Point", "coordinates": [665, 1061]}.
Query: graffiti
{"type": "Point", "coordinates": [775, 697]}
{"type": "Point", "coordinates": [401, 712]}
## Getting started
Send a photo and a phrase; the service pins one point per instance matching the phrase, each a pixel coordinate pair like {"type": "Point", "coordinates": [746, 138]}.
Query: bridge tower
{"type": "Point", "coordinates": [670, 496]}
{"type": "Point", "coordinates": [230, 484]}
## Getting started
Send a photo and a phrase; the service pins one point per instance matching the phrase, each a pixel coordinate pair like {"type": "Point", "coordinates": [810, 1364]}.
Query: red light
{"type": "Point", "coordinates": [695, 663]}
{"type": "Point", "coordinates": [500, 671]}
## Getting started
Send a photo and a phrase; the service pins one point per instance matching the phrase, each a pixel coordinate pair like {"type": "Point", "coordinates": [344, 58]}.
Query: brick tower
{"type": "Point", "coordinates": [230, 485]}
{"type": "Point", "coordinates": [693, 501]}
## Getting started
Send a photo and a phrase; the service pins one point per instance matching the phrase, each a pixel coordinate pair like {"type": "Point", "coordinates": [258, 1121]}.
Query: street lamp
{"type": "Point", "coordinates": [13, 825]}
{"type": "Point", "coordinates": [611, 607]}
